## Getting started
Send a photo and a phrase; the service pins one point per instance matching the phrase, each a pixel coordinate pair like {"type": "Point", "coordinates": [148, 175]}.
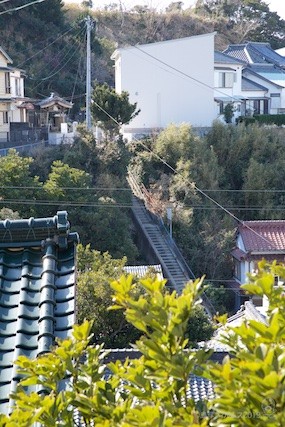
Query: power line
{"type": "Point", "coordinates": [182, 73]}
{"type": "Point", "coordinates": [21, 7]}
{"type": "Point", "coordinates": [203, 193]}
{"type": "Point", "coordinates": [12, 187]}
{"type": "Point", "coordinates": [61, 60]}
{"type": "Point", "coordinates": [124, 205]}
{"type": "Point", "coordinates": [48, 45]}
{"type": "Point", "coordinates": [128, 189]}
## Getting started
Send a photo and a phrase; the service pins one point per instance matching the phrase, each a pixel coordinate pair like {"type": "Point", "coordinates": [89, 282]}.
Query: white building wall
{"type": "Point", "coordinates": [275, 103]}
{"type": "Point", "coordinates": [239, 243]}
{"type": "Point", "coordinates": [231, 92]}
{"type": "Point", "coordinates": [164, 94]}
{"type": "Point", "coordinates": [282, 99]}
{"type": "Point", "coordinates": [3, 60]}
{"type": "Point", "coordinates": [228, 94]}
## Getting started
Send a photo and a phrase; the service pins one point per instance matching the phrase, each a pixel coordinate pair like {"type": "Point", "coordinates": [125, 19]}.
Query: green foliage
{"type": "Point", "coordinates": [95, 271]}
{"type": "Point", "coordinates": [200, 327]}
{"type": "Point", "coordinates": [95, 213]}
{"type": "Point", "coordinates": [153, 389]}
{"type": "Point", "coordinates": [66, 183]}
{"type": "Point", "coordinates": [202, 233]}
{"type": "Point", "coordinates": [250, 386]}
{"type": "Point", "coordinates": [18, 189]}
{"type": "Point", "coordinates": [252, 17]}
{"type": "Point", "coordinates": [149, 391]}
{"type": "Point", "coordinates": [119, 110]}
{"type": "Point", "coordinates": [221, 297]}
{"type": "Point", "coordinates": [229, 113]}
{"type": "Point", "coordinates": [270, 119]}
{"type": "Point", "coordinates": [94, 296]}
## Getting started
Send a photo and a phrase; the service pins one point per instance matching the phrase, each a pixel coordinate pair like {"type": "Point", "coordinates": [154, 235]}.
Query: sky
{"type": "Point", "coordinates": [274, 5]}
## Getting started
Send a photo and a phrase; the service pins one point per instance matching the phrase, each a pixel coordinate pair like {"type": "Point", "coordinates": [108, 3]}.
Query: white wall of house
{"type": "Point", "coordinates": [275, 93]}
{"type": "Point", "coordinates": [17, 93]}
{"type": "Point", "coordinates": [227, 80]}
{"type": "Point", "coordinates": [17, 84]}
{"type": "Point", "coordinates": [245, 266]}
{"type": "Point", "coordinates": [164, 79]}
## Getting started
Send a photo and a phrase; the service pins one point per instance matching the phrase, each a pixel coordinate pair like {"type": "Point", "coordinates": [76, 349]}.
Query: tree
{"type": "Point", "coordinates": [249, 19]}
{"type": "Point", "coordinates": [229, 113]}
{"type": "Point", "coordinates": [94, 296]}
{"type": "Point", "coordinates": [199, 327]}
{"type": "Point", "coordinates": [153, 389]}
{"type": "Point", "coordinates": [111, 108]}
{"type": "Point", "coordinates": [250, 385]}
{"type": "Point", "coordinates": [19, 190]}
{"type": "Point", "coordinates": [66, 183]}
{"type": "Point", "coordinates": [66, 188]}
{"type": "Point", "coordinates": [149, 391]}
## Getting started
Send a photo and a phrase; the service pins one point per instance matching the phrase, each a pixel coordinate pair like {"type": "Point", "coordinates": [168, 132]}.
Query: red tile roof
{"type": "Point", "coordinates": [238, 254]}
{"type": "Point", "coordinates": [263, 236]}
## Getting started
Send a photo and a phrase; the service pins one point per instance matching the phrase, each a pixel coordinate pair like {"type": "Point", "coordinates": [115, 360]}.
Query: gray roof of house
{"type": "Point", "coordinates": [247, 84]}
{"type": "Point", "coordinates": [255, 52]}
{"type": "Point", "coordinates": [226, 59]}
{"type": "Point", "coordinates": [266, 77]}
{"type": "Point", "coordinates": [37, 287]}
{"type": "Point", "coordinates": [200, 388]}
{"type": "Point", "coordinates": [143, 270]}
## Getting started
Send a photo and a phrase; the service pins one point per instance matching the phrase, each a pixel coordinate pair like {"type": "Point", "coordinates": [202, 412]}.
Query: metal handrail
{"type": "Point", "coordinates": [140, 191]}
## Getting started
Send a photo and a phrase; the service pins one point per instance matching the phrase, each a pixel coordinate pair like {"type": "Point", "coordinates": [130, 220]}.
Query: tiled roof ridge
{"type": "Point", "coordinates": [263, 222]}
{"type": "Point", "coordinates": [232, 58]}
{"type": "Point", "coordinates": [33, 231]}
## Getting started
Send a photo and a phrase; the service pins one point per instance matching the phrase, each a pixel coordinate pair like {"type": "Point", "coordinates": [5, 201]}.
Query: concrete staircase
{"type": "Point", "coordinates": [165, 250]}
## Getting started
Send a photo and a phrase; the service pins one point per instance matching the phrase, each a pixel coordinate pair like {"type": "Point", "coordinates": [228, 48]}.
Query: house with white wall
{"type": "Point", "coordinates": [265, 67]}
{"type": "Point", "coordinates": [228, 84]}
{"type": "Point", "coordinates": [24, 120]}
{"type": "Point", "coordinates": [11, 95]}
{"type": "Point", "coordinates": [243, 86]}
{"type": "Point", "coordinates": [171, 82]}
{"type": "Point", "coordinates": [257, 240]}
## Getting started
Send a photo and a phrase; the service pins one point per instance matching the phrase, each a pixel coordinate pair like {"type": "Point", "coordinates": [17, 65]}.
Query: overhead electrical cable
{"type": "Point", "coordinates": [46, 46]}
{"type": "Point", "coordinates": [193, 185]}
{"type": "Point", "coordinates": [62, 58]}
{"type": "Point", "coordinates": [128, 189]}
{"type": "Point", "coordinates": [21, 7]}
{"type": "Point", "coordinates": [182, 73]}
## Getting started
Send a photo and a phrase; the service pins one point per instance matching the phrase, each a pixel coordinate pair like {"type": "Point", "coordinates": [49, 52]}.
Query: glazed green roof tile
{"type": "Point", "coordinates": [37, 291]}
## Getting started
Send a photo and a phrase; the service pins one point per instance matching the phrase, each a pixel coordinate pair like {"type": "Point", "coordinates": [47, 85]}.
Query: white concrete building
{"type": "Point", "coordinates": [265, 67]}
{"type": "Point", "coordinates": [245, 86]}
{"type": "Point", "coordinates": [171, 82]}
{"type": "Point", "coordinates": [11, 95]}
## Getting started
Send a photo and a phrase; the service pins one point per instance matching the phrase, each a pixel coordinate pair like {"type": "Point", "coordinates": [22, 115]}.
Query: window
{"type": "Point", "coordinates": [237, 271]}
{"type": "Point", "coordinates": [260, 106]}
{"type": "Point", "coordinates": [226, 79]}
{"type": "Point", "coordinates": [18, 87]}
{"type": "Point", "coordinates": [5, 117]}
{"type": "Point", "coordinates": [7, 83]}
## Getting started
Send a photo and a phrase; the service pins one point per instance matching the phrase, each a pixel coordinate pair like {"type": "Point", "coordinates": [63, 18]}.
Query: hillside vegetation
{"type": "Point", "coordinates": [48, 39]}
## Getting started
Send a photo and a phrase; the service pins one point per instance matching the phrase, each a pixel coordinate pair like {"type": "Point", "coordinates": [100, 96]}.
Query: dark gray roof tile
{"type": "Point", "coordinates": [37, 279]}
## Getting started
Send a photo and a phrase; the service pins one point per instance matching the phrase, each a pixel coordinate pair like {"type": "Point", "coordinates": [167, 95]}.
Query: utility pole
{"type": "Point", "coordinates": [88, 73]}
